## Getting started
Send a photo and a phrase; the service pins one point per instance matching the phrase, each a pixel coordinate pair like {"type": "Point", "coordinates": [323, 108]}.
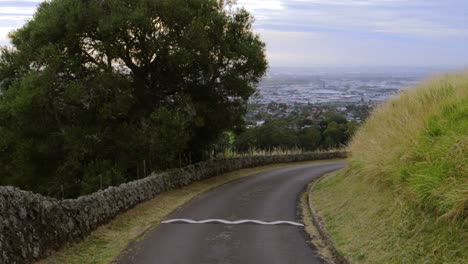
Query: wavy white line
{"type": "Point", "coordinates": [239, 222]}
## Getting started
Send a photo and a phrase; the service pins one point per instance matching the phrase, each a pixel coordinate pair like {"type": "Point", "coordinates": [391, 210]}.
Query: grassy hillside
{"type": "Point", "coordinates": [404, 197]}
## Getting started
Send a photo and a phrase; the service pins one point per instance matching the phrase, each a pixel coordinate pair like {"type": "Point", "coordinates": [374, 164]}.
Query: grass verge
{"type": "Point", "coordinates": [315, 237]}
{"type": "Point", "coordinates": [106, 243]}
{"type": "Point", "coordinates": [373, 223]}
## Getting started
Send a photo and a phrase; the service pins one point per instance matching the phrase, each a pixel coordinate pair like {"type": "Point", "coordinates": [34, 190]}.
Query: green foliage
{"type": "Point", "coordinates": [309, 138]}
{"type": "Point", "coordinates": [164, 134]}
{"type": "Point", "coordinates": [276, 133]}
{"type": "Point", "coordinates": [334, 118]}
{"type": "Point", "coordinates": [285, 133]}
{"type": "Point", "coordinates": [119, 87]}
{"type": "Point", "coordinates": [337, 134]}
{"type": "Point", "coordinates": [100, 173]}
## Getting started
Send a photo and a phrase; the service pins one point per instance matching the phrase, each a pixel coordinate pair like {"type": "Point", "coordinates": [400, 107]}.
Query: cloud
{"type": "Point", "coordinates": [13, 14]}
{"type": "Point", "coordinates": [356, 2]}
{"type": "Point", "coordinates": [429, 18]}
{"type": "Point", "coordinates": [305, 49]}
{"type": "Point", "coordinates": [4, 35]}
{"type": "Point", "coordinates": [297, 48]}
{"type": "Point", "coordinates": [304, 33]}
{"type": "Point", "coordinates": [7, 10]}
{"type": "Point", "coordinates": [255, 5]}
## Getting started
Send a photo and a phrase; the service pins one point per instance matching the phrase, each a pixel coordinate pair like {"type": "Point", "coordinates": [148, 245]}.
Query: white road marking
{"type": "Point", "coordinates": [239, 222]}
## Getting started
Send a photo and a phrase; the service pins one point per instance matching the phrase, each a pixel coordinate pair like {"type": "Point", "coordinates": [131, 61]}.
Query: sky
{"type": "Point", "coordinates": [307, 33]}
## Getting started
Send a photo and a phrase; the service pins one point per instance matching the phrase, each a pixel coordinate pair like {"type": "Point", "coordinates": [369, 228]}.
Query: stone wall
{"type": "Point", "coordinates": [33, 226]}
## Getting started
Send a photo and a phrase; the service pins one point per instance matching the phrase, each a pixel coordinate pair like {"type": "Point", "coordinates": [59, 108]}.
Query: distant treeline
{"type": "Point", "coordinates": [332, 131]}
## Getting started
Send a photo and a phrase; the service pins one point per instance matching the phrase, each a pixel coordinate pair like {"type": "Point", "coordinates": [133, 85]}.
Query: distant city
{"type": "Point", "coordinates": [331, 89]}
{"type": "Point", "coordinates": [316, 93]}
{"type": "Point", "coordinates": [338, 85]}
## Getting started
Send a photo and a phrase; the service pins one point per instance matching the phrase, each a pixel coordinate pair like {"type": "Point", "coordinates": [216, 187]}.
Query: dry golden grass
{"type": "Point", "coordinates": [419, 141]}
{"type": "Point", "coordinates": [394, 128]}
{"type": "Point", "coordinates": [229, 153]}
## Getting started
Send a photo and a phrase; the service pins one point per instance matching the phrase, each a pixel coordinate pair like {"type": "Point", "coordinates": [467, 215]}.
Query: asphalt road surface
{"type": "Point", "coordinates": [266, 197]}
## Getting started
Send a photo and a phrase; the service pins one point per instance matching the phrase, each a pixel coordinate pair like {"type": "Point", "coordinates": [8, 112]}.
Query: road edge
{"type": "Point", "coordinates": [319, 225]}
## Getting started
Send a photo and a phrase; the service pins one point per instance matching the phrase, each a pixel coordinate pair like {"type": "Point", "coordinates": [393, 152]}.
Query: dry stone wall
{"type": "Point", "coordinates": [33, 226]}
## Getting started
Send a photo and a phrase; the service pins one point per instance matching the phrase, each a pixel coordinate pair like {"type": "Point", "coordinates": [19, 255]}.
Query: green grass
{"type": "Point", "coordinates": [106, 243]}
{"type": "Point", "coordinates": [370, 223]}
{"type": "Point", "coordinates": [438, 173]}
{"type": "Point", "coordinates": [315, 238]}
{"type": "Point", "coordinates": [419, 142]}
{"type": "Point", "coordinates": [404, 196]}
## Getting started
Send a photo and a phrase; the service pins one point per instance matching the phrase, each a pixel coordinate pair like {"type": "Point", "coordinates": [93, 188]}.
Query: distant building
{"type": "Point", "coordinates": [260, 123]}
{"type": "Point", "coordinates": [342, 109]}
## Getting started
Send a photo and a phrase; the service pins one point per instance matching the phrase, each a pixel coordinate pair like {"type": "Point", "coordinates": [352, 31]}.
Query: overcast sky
{"type": "Point", "coordinates": [302, 33]}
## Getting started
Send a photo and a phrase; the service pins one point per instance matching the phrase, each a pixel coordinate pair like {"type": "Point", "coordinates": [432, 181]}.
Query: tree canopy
{"type": "Point", "coordinates": [100, 92]}
{"type": "Point", "coordinates": [293, 132]}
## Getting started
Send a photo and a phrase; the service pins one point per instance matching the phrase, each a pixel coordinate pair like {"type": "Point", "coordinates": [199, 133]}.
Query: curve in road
{"type": "Point", "coordinates": [266, 197]}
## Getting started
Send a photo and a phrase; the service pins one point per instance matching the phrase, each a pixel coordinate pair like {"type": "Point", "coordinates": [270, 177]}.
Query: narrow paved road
{"type": "Point", "coordinates": [268, 196]}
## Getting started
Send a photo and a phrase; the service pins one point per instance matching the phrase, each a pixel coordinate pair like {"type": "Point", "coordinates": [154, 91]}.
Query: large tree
{"type": "Point", "coordinates": [100, 90]}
